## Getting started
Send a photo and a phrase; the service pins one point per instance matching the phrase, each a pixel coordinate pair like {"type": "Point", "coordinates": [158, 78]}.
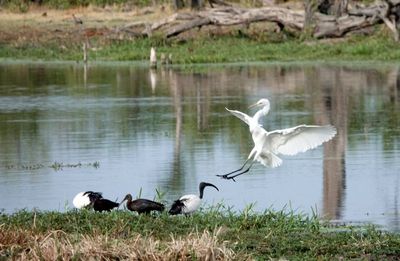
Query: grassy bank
{"type": "Point", "coordinates": [222, 49]}
{"type": "Point", "coordinates": [218, 234]}
{"type": "Point", "coordinates": [51, 34]}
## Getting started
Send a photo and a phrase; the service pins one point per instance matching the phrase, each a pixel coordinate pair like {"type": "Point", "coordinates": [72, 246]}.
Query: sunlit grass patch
{"type": "Point", "coordinates": [217, 233]}
{"type": "Point", "coordinates": [222, 49]}
{"type": "Point", "coordinates": [56, 244]}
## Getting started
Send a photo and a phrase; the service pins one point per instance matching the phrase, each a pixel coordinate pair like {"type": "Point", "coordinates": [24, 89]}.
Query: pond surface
{"type": "Point", "coordinates": [121, 128]}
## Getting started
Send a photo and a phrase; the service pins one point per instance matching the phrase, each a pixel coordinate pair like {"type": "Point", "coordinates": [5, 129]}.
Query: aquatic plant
{"type": "Point", "coordinates": [55, 165]}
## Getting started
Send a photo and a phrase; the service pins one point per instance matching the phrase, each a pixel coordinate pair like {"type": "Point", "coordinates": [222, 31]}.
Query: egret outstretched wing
{"type": "Point", "coordinates": [243, 116]}
{"type": "Point", "coordinates": [299, 139]}
{"type": "Point", "coordinates": [268, 145]}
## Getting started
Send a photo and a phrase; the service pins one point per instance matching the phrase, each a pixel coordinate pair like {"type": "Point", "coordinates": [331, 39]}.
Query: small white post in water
{"type": "Point", "coordinates": [163, 59]}
{"type": "Point", "coordinates": [153, 58]}
{"type": "Point", "coordinates": [85, 56]}
{"type": "Point", "coordinates": [169, 59]}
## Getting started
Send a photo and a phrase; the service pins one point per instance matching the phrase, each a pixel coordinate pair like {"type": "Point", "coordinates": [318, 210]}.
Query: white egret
{"type": "Point", "coordinates": [95, 200]}
{"type": "Point", "coordinates": [188, 204]}
{"type": "Point", "coordinates": [142, 205]}
{"type": "Point", "coordinates": [268, 144]}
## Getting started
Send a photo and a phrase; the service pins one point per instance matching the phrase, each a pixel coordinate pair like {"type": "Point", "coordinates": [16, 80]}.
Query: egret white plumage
{"type": "Point", "coordinates": [268, 144]}
{"type": "Point", "coordinates": [95, 200]}
{"type": "Point", "coordinates": [188, 204]}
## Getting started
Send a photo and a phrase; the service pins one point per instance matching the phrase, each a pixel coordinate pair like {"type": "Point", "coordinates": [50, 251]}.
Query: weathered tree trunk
{"type": "Point", "coordinates": [333, 7]}
{"type": "Point", "coordinates": [178, 4]}
{"type": "Point", "coordinates": [392, 18]}
{"type": "Point", "coordinates": [310, 7]}
{"type": "Point", "coordinates": [319, 25]}
{"type": "Point", "coordinates": [340, 7]}
{"type": "Point", "coordinates": [196, 4]}
{"type": "Point", "coordinates": [324, 6]}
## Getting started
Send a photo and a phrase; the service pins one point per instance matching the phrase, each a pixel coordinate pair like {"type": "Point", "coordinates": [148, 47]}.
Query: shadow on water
{"type": "Point", "coordinates": [168, 128]}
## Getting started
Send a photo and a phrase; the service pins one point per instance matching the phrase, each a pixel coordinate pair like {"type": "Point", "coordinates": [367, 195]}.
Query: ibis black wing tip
{"type": "Point", "coordinates": [176, 207]}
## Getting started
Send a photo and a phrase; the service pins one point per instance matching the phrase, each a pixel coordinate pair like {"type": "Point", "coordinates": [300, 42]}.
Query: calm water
{"type": "Point", "coordinates": [169, 130]}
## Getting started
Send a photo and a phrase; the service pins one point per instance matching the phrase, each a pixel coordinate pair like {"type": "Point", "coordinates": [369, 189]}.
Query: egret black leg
{"type": "Point", "coordinates": [225, 176]}
{"type": "Point", "coordinates": [240, 173]}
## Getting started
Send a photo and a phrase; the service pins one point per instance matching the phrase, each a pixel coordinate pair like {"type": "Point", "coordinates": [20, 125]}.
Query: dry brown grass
{"type": "Point", "coordinates": [90, 15]}
{"type": "Point", "coordinates": [26, 245]}
{"type": "Point", "coordinates": [42, 26]}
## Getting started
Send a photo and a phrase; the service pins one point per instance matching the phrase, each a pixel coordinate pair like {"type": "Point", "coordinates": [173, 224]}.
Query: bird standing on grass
{"type": "Point", "coordinates": [188, 204]}
{"type": "Point", "coordinates": [85, 199]}
{"type": "Point", "coordinates": [142, 205]}
{"type": "Point", "coordinates": [95, 200]}
{"type": "Point", "coordinates": [267, 145]}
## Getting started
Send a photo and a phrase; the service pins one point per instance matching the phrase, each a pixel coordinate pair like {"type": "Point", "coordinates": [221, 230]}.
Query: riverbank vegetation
{"type": "Point", "coordinates": [216, 233]}
{"type": "Point", "coordinates": [216, 50]}
{"type": "Point", "coordinates": [43, 33]}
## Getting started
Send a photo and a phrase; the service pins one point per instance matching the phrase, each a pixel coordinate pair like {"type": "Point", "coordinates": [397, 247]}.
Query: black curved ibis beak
{"type": "Point", "coordinates": [203, 185]}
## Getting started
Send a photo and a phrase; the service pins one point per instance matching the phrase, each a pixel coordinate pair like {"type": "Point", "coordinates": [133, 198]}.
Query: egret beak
{"type": "Point", "coordinates": [253, 105]}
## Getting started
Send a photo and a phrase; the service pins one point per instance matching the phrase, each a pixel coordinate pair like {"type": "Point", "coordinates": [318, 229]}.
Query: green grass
{"type": "Point", "coordinates": [220, 50]}
{"type": "Point", "coordinates": [261, 236]}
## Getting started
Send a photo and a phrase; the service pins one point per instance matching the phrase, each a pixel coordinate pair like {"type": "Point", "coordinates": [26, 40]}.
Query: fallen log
{"type": "Point", "coordinates": [324, 26]}
{"type": "Point", "coordinates": [187, 26]}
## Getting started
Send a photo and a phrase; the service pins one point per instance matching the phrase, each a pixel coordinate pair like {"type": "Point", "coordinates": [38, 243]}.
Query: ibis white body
{"type": "Point", "coordinates": [81, 200]}
{"type": "Point", "coordinates": [192, 203]}
{"type": "Point", "coordinates": [188, 204]}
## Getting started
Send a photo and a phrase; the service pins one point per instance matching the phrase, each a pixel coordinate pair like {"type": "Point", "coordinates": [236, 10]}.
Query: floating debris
{"type": "Point", "coordinates": [55, 165]}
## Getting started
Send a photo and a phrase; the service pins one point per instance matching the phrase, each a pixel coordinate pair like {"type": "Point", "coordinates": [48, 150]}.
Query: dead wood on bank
{"type": "Point", "coordinates": [322, 26]}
